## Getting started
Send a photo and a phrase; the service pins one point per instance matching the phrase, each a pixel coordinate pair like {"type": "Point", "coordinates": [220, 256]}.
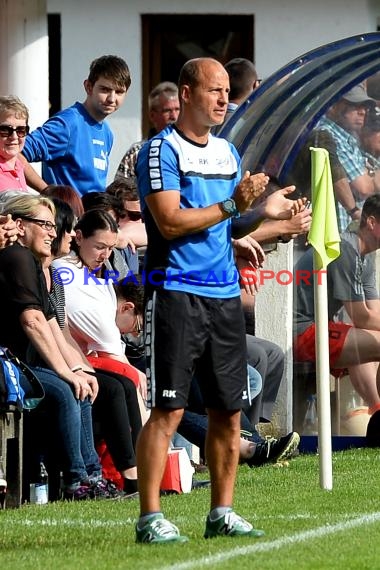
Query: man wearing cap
{"type": "Point", "coordinates": [345, 121]}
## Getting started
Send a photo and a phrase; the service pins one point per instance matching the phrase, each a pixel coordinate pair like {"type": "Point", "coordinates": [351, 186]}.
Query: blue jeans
{"type": "Point", "coordinates": [268, 359]}
{"type": "Point", "coordinates": [179, 441]}
{"type": "Point", "coordinates": [193, 426]}
{"type": "Point", "coordinates": [255, 382]}
{"type": "Point", "coordinates": [74, 422]}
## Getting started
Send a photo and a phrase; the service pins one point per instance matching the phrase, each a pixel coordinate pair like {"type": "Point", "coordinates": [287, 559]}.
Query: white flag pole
{"type": "Point", "coordinates": [323, 377]}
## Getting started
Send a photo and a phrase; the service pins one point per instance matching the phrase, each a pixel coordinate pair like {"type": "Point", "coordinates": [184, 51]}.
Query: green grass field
{"type": "Point", "coordinates": [306, 527]}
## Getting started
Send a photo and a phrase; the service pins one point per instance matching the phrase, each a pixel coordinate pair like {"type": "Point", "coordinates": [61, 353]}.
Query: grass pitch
{"type": "Point", "coordinates": [306, 527]}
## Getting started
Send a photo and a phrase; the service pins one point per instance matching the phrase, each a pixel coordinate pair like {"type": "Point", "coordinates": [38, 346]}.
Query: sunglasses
{"type": "Point", "coordinates": [7, 131]}
{"type": "Point", "coordinates": [133, 215]}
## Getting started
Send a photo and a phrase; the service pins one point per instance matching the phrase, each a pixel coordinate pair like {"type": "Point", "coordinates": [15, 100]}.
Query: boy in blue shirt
{"type": "Point", "coordinates": [75, 144]}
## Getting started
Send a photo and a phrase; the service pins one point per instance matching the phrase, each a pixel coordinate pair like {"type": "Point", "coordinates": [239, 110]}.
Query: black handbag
{"type": "Point", "coordinates": [19, 386]}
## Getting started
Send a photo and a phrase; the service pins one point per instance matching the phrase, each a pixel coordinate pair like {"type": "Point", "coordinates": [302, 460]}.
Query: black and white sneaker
{"type": "Point", "coordinates": [105, 489]}
{"type": "Point", "coordinates": [272, 450]}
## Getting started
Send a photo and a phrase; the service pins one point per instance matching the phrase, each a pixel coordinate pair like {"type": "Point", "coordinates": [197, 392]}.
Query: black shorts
{"type": "Point", "coordinates": [188, 334]}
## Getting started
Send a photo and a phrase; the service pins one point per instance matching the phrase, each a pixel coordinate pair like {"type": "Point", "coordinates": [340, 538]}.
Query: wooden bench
{"type": "Point", "coordinates": [11, 448]}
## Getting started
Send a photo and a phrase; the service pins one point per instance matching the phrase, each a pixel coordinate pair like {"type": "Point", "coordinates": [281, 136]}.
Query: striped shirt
{"type": "Point", "coordinates": [57, 301]}
{"type": "Point", "coordinates": [351, 158]}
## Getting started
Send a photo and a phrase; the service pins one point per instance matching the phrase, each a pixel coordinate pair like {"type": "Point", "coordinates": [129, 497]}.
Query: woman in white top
{"type": "Point", "coordinates": [96, 317]}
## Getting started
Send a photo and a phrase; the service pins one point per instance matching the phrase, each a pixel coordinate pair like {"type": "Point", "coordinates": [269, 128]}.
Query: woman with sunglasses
{"type": "Point", "coordinates": [131, 224]}
{"type": "Point", "coordinates": [14, 127]}
{"type": "Point", "coordinates": [31, 334]}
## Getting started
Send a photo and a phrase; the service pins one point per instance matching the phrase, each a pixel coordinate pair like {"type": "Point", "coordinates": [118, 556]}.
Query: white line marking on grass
{"type": "Point", "coordinates": [319, 532]}
{"type": "Point", "coordinates": [89, 523]}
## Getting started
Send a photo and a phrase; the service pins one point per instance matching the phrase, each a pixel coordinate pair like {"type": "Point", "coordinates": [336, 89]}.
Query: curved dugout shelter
{"type": "Point", "coordinates": [273, 128]}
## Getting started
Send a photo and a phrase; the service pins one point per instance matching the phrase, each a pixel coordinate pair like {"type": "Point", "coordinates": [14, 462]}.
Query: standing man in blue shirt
{"type": "Point", "coordinates": [191, 187]}
{"type": "Point", "coordinates": [75, 144]}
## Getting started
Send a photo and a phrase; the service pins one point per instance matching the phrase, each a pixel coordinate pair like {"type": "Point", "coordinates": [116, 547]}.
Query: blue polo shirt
{"type": "Point", "coordinates": [201, 263]}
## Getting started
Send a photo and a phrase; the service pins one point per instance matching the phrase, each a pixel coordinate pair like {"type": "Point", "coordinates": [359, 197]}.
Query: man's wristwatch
{"type": "Point", "coordinates": [353, 211]}
{"type": "Point", "coordinates": [229, 206]}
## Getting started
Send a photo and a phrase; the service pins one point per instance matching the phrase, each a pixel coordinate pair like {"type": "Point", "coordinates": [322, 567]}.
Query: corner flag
{"type": "Point", "coordinates": [325, 239]}
{"type": "Point", "coordinates": [324, 233]}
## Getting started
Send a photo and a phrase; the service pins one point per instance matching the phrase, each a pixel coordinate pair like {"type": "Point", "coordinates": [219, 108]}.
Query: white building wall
{"type": "Point", "coordinates": [283, 31]}
{"type": "Point", "coordinates": [24, 55]}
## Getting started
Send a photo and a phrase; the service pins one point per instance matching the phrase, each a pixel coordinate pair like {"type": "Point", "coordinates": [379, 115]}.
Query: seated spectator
{"type": "Point", "coordinates": [102, 201]}
{"type": "Point", "coordinates": [117, 261]}
{"type": "Point", "coordinates": [268, 359]}
{"type": "Point", "coordinates": [254, 450]}
{"type": "Point", "coordinates": [344, 121]}
{"type": "Point", "coordinates": [351, 282]}
{"type": "Point", "coordinates": [265, 356]}
{"type": "Point", "coordinates": [300, 176]}
{"type": "Point", "coordinates": [14, 127]}
{"type": "Point", "coordinates": [163, 104]}
{"type": "Point", "coordinates": [131, 224]}
{"type": "Point", "coordinates": [91, 300]}
{"type": "Point", "coordinates": [32, 335]}
{"type": "Point", "coordinates": [115, 411]}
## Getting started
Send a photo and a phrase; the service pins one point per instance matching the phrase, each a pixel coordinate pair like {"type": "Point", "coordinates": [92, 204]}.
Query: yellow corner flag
{"type": "Point", "coordinates": [324, 233]}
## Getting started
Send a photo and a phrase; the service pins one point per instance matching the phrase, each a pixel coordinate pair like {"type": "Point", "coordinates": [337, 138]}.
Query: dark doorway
{"type": "Point", "coordinates": [169, 41]}
{"type": "Point", "coordinates": [54, 33]}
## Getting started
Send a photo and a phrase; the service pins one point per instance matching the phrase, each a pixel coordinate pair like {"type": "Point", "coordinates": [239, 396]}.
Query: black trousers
{"type": "Point", "coordinates": [117, 418]}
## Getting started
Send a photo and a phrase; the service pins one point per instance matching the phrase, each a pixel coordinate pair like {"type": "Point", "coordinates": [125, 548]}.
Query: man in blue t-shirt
{"type": "Point", "coordinates": [75, 144]}
{"type": "Point", "coordinates": [191, 187]}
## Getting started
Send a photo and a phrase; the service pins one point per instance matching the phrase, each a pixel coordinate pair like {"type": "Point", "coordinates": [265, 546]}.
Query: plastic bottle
{"type": "Point", "coordinates": [310, 423]}
{"type": "Point", "coordinates": [39, 491]}
{"type": "Point", "coordinates": [3, 485]}
{"type": "Point", "coordinates": [353, 401]}
{"type": "Point", "coordinates": [355, 418]}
